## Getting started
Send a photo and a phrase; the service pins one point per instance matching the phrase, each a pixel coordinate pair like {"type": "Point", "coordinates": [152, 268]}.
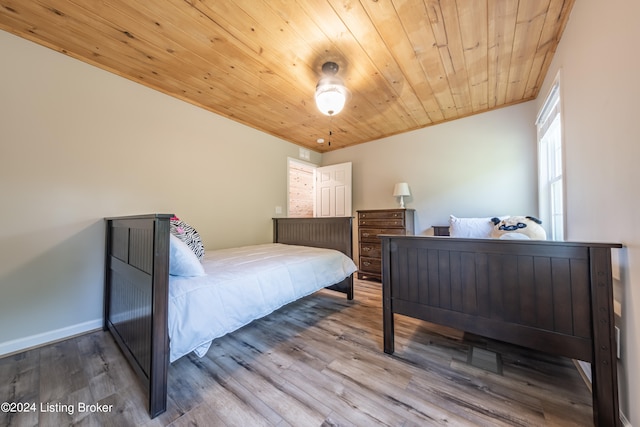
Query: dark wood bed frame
{"type": "Point", "coordinates": [137, 284]}
{"type": "Point", "coordinates": [554, 297]}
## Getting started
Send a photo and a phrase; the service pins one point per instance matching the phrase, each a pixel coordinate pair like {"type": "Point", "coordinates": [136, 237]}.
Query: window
{"type": "Point", "coordinates": [550, 165]}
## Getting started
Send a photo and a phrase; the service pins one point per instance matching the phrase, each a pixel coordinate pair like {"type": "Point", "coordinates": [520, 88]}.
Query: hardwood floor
{"type": "Point", "coordinates": [316, 362]}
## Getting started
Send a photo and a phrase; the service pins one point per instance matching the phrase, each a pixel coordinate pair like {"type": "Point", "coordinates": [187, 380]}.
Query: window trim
{"type": "Point", "coordinates": [551, 108]}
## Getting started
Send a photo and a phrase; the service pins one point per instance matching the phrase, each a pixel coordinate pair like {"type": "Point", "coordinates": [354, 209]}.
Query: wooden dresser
{"type": "Point", "coordinates": [371, 223]}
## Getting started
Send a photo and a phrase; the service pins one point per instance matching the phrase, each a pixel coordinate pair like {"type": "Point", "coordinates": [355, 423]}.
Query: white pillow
{"type": "Point", "coordinates": [182, 260]}
{"type": "Point", "coordinates": [476, 228]}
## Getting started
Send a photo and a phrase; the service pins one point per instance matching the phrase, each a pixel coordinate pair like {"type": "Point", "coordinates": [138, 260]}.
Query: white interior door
{"type": "Point", "coordinates": [333, 190]}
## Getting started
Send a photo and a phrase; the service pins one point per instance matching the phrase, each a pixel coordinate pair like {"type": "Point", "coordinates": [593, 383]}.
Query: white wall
{"type": "Point", "coordinates": [599, 67]}
{"type": "Point", "coordinates": [64, 126]}
{"type": "Point", "coordinates": [78, 144]}
{"type": "Point", "coordinates": [483, 165]}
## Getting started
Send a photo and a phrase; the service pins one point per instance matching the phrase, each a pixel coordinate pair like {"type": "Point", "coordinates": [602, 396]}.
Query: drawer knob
{"type": "Point", "coordinates": [366, 249]}
{"type": "Point", "coordinates": [367, 263]}
{"type": "Point", "coordinates": [365, 234]}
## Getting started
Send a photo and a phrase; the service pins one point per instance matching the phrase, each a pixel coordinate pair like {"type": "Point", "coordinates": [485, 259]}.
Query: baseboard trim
{"type": "Point", "coordinates": [625, 422]}
{"type": "Point", "coordinates": [584, 368]}
{"type": "Point", "coordinates": [22, 344]}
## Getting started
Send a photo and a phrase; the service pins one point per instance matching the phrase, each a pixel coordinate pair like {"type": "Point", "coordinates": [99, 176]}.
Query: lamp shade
{"type": "Point", "coordinates": [331, 96]}
{"type": "Point", "coordinates": [401, 189]}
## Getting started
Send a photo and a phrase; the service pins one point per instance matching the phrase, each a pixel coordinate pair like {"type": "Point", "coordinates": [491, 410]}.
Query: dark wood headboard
{"type": "Point", "coordinates": [333, 233]}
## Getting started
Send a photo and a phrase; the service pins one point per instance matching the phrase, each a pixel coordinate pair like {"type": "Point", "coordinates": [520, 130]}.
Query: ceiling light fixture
{"type": "Point", "coordinates": [331, 94]}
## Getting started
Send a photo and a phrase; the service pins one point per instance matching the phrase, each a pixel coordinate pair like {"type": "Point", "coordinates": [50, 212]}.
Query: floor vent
{"type": "Point", "coordinates": [485, 359]}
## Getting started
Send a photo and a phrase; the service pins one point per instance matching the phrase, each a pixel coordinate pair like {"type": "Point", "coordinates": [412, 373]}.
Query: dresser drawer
{"type": "Point", "coordinates": [370, 249]}
{"type": "Point", "coordinates": [398, 214]}
{"type": "Point", "coordinates": [371, 234]}
{"type": "Point", "coordinates": [370, 265]}
{"type": "Point", "coordinates": [381, 222]}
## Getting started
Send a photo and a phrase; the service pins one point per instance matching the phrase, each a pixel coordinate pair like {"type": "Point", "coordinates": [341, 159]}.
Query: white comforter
{"type": "Point", "coordinates": [243, 284]}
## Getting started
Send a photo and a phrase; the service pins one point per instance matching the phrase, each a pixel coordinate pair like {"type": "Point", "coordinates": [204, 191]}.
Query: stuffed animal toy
{"type": "Point", "coordinates": [518, 227]}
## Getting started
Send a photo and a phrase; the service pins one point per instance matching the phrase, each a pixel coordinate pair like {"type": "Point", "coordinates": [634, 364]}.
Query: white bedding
{"type": "Point", "coordinates": [243, 284]}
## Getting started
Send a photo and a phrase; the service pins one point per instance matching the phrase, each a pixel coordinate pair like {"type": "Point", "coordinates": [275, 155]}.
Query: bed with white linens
{"type": "Point", "coordinates": [165, 297]}
{"type": "Point", "coordinates": [243, 284]}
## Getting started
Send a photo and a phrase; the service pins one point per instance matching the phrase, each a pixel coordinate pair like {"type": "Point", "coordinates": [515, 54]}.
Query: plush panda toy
{"type": "Point", "coordinates": [518, 227]}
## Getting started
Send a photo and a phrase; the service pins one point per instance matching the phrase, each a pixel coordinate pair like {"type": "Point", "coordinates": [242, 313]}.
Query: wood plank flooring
{"type": "Point", "coordinates": [315, 362]}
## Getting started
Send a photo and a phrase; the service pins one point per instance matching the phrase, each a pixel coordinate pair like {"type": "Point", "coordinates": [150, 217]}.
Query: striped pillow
{"type": "Point", "coordinates": [188, 235]}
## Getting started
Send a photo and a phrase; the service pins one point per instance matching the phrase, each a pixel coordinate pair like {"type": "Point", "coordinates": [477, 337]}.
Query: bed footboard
{"type": "Point", "coordinates": [136, 292]}
{"type": "Point", "coordinates": [555, 297]}
{"type": "Point", "coordinates": [332, 233]}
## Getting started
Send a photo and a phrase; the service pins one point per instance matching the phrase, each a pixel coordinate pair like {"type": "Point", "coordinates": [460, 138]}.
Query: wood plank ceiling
{"type": "Point", "coordinates": [408, 64]}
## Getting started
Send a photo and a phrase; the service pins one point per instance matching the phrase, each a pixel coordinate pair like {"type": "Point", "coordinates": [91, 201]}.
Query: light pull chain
{"type": "Point", "coordinates": [321, 140]}
{"type": "Point", "coordinates": [330, 131]}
